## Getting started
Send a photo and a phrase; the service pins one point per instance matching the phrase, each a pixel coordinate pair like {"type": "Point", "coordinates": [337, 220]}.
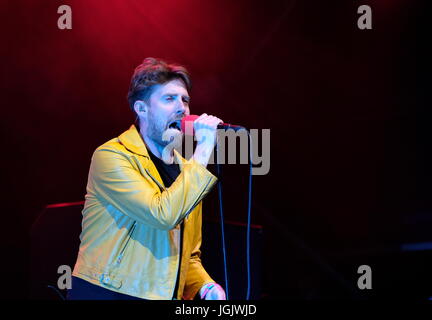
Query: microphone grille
{"type": "Point", "coordinates": [188, 130]}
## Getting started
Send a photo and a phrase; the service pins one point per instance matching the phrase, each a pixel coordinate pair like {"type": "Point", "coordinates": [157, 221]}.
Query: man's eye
{"type": "Point", "coordinates": [169, 98]}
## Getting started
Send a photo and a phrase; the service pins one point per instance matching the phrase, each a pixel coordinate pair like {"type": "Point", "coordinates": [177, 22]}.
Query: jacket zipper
{"type": "Point", "coordinates": [157, 182]}
{"type": "Point", "coordinates": [120, 257]}
{"type": "Point", "coordinates": [178, 259]}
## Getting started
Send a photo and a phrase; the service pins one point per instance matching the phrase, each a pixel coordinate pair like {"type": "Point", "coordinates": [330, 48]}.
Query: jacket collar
{"type": "Point", "coordinates": [133, 141]}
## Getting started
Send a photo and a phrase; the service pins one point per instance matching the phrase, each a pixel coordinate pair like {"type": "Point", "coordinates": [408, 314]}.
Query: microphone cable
{"type": "Point", "coordinates": [249, 219]}
{"type": "Point", "coordinates": [57, 291]}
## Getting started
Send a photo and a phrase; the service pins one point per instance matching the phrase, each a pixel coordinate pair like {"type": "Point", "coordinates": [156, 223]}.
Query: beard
{"type": "Point", "coordinates": [155, 130]}
{"type": "Point", "coordinates": [163, 136]}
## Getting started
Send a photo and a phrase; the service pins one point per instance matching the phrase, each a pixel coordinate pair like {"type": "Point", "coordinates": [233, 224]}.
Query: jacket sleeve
{"type": "Point", "coordinates": [196, 276]}
{"type": "Point", "coordinates": [114, 179]}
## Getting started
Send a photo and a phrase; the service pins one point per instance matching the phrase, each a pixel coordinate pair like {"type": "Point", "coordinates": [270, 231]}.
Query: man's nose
{"type": "Point", "coordinates": [181, 107]}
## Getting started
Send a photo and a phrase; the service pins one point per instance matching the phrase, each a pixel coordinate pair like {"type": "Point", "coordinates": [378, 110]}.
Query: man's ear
{"type": "Point", "coordinates": [141, 108]}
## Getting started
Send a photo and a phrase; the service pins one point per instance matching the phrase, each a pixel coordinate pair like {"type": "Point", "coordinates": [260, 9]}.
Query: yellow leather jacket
{"type": "Point", "coordinates": [130, 236]}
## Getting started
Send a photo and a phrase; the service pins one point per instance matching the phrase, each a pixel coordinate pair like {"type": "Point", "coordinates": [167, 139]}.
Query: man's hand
{"type": "Point", "coordinates": [212, 291]}
{"type": "Point", "coordinates": [205, 128]}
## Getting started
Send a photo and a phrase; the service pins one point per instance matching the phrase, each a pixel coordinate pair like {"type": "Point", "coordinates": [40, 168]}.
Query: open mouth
{"type": "Point", "coordinates": [175, 125]}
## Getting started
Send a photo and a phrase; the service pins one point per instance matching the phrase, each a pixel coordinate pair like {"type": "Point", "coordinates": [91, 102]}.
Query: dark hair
{"type": "Point", "coordinates": [152, 72]}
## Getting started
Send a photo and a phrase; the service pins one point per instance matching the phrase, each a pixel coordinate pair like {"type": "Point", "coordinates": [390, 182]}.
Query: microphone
{"type": "Point", "coordinates": [193, 117]}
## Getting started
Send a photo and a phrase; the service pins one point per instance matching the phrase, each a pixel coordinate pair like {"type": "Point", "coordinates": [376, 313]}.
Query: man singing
{"type": "Point", "coordinates": [141, 228]}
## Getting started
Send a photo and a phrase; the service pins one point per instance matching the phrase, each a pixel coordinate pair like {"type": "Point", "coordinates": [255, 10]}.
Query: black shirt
{"type": "Point", "coordinates": [169, 173]}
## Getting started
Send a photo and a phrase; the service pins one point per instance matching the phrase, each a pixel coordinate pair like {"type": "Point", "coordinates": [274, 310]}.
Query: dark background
{"type": "Point", "coordinates": [349, 181]}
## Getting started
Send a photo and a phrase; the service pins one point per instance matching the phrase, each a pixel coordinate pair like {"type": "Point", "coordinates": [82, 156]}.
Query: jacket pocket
{"type": "Point", "coordinates": [123, 249]}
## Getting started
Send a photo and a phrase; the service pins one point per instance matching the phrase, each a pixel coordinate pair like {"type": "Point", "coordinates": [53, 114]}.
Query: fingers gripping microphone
{"type": "Point", "coordinates": [188, 130]}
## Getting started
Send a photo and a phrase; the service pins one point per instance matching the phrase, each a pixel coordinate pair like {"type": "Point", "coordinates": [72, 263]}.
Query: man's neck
{"type": "Point", "coordinates": [157, 149]}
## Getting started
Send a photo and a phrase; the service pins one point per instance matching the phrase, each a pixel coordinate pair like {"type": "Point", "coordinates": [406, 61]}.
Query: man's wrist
{"type": "Point", "coordinates": [206, 288]}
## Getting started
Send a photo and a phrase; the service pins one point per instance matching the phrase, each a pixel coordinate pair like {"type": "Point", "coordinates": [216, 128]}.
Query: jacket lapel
{"type": "Point", "coordinates": [132, 140]}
